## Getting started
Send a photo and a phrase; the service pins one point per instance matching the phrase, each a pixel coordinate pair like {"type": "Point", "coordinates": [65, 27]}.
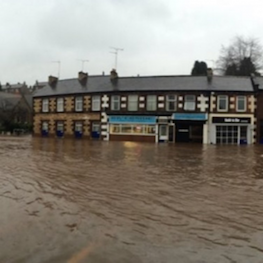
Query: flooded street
{"type": "Point", "coordinates": [79, 201]}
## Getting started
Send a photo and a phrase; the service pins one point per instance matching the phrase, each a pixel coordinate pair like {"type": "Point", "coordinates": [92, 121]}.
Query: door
{"type": "Point", "coordinates": [95, 130]}
{"type": "Point", "coordinates": [182, 133]}
{"type": "Point", "coordinates": [163, 133]}
{"type": "Point", "coordinates": [171, 133]}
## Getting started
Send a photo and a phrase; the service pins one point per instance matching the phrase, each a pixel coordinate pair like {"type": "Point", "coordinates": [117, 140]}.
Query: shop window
{"type": "Point", "coordinates": [132, 102]}
{"type": "Point", "coordinates": [151, 103]}
{"type": "Point", "coordinates": [171, 102]}
{"type": "Point", "coordinates": [79, 104]}
{"type": "Point", "coordinates": [45, 104]}
{"type": "Point", "coordinates": [226, 134]}
{"type": "Point", "coordinates": [60, 104]}
{"type": "Point", "coordinates": [134, 129]}
{"type": "Point", "coordinates": [241, 103]}
{"type": "Point", "coordinates": [115, 103]}
{"type": "Point", "coordinates": [95, 103]}
{"type": "Point", "coordinates": [222, 103]}
{"type": "Point", "coordinates": [189, 103]}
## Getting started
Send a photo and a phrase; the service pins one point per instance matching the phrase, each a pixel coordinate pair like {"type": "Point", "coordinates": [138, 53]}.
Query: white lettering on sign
{"type": "Point", "coordinates": [232, 120]}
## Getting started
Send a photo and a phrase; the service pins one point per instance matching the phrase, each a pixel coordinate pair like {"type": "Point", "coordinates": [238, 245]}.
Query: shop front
{"type": "Point", "coordinates": [132, 128]}
{"type": "Point", "coordinates": [231, 130]}
{"type": "Point", "coordinates": [190, 127]}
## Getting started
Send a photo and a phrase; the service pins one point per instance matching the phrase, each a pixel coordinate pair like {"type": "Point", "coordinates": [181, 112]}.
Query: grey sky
{"type": "Point", "coordinates": [158, 37]}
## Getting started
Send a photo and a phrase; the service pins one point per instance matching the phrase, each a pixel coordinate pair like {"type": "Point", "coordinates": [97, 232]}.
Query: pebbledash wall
{"type": "Point", "coordinates": [208, 110]}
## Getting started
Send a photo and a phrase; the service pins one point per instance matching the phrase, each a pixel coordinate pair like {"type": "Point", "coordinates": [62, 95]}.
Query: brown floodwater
{"type": "Point", "coordinates": [79, 201]}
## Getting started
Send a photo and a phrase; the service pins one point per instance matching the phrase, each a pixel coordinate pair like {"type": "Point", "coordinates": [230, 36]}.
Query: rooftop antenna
{"type": "Point", "coordinates": [82, 63]}
{"type": "Point", "coordinates": [58, 62]}
{"type": "Point", "coordinates": [116, 50]}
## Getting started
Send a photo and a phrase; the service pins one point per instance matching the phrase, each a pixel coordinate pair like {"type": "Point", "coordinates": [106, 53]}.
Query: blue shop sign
{"type": "Point", "coordinates": [190, 116]}
{"type": "Point", "coordinates": [133, 119]}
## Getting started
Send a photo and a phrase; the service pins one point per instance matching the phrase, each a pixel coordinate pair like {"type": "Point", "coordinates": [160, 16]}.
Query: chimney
{"type": "Point", "coordinates": [209, 75]}
{"type": "Point", "coordinates": [52, 81]}
{"type": "Point", "coordinates": [113, 75]}
{"type": "Point", "coordinates": [83, 77]}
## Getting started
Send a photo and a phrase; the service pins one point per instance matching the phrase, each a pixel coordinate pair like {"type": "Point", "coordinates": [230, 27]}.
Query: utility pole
{"type": "Point", "coordinates": [82, 63]}
{"type": "Point", "coordinates": [58, 62]}
{"type": "Point", "coordinates": [115, 52]}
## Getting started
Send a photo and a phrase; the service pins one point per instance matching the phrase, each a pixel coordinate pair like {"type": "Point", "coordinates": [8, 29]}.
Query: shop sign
{"type": "Point", "coordinates": [190, 116]}
{"type": "Point", "coordinates": [231, 120]}
{"type": "Point", "coordinates": [132, 119]}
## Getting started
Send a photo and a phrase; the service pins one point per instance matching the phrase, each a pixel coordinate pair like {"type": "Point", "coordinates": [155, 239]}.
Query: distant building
{"type": "Point", "coordinates": [19, 88]}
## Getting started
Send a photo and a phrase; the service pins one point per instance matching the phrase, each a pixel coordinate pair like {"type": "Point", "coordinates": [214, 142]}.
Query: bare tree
{"type": "Point", "coordinates": [241, 51]}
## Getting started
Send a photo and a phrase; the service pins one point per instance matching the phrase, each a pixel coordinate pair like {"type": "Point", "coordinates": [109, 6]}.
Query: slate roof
{"type": "Point", "coordinates": [98, 84]}
{"type": "Point", "coordinates": [259, 81]}
{"type": "Point", "coordinates": [29, 99]}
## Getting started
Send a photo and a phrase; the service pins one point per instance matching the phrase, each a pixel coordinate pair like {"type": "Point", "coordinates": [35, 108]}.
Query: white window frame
{"type": "Point", "coordinates": [218, 103]}
{"type": "Point", "coordinates": [60, 104]}
{"type": "Point", "coordinates": [79, 103]}
{"type": "Point", "coordinates": [151, 103]}
{"type": "Point", "coordinates": [95, 106]}
{"type": "Point", "coordinates": [133, 103]}
{"type": "Point", "coordinates": [45, 105]}
{"type": "Point", "coordinates": [168, 100]}
{"type": "Point", "coordinates": [245, 103]}
{"type": "Point", "coordinates": [115, 99]}
{"type": "Point", "coordinates": [189, 102]}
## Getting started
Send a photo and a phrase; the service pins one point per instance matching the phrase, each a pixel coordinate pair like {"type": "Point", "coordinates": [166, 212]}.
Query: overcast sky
{"type": "Point", "coordinates": [159, 37]}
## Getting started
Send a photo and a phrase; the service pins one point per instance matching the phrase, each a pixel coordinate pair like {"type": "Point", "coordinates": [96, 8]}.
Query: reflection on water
{"type": "Point", "coordinates": [79, 201]}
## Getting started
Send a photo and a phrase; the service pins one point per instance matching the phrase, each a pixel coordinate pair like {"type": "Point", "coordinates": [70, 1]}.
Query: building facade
{"type": "Point", "coordinates": [212, 109]}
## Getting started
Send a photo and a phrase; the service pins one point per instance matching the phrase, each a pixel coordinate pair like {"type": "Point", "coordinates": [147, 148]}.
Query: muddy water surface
{"type": "Point", "coordinates": [79, 201]}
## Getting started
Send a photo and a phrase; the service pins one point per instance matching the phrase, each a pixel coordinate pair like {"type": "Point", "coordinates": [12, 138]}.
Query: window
{"type": "Point", "coordinates": [134, 129]}
{"type": "Point", "coordinates": [171, 102]}
{"type": "Point", "coordinates": [95, 103]}
{"type": "Point", "coordinates": [151, 102]}
{"type": "Point", "coordinates": [45, 103]}
{"type": "Point", "coordinates": [132, 102]}
{"type": "Point", "coordinates": [222, 103]}
{"type": "Point", "coordinates": [60, 126]}
{"type": "Point", "coordinates": [241, 103]}
{"type": "Point", "coordinates": [115, 102]}
{"type": "Point", "coordinates": [60, 104]}
{"type": "Point", "coordinates": [96, 127]}
{"type": "Point", "coordinates": [78, 104]}
{"type": "Point", "coordinates": [78, 126]}
{"type": "Point", "coordinates": [44, 126]}
{"type": "Point", "coordinates": [189, 102]}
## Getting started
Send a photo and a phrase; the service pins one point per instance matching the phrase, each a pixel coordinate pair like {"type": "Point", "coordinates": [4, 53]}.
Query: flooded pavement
{"type": "Point", "coordinates": [103, 202]}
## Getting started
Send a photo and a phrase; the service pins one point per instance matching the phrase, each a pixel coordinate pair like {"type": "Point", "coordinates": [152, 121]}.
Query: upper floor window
{"type": "Point", "coordinates": [60, 104]}
{"type": "Point", "coordinates": [45, 104]}
{"type": "Point", "coordinates": [133, 102]}
{"type": "Point", "coordinates": [151, 103]}
{"type": "Point", "coordinates": [241, 103]}
{"type": "Point", "coordinates": [95, 103]}
{"type": "Point", "coordinates": [222, 103]}
{"type": "Point", "coordinates": [115, 102]}
{"type": "Point", "coordinates": [171, 102]}
{"type": "Point", "coordinates": [79, 104]}
{"type": "Point", "coordinates": [189, 102]}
